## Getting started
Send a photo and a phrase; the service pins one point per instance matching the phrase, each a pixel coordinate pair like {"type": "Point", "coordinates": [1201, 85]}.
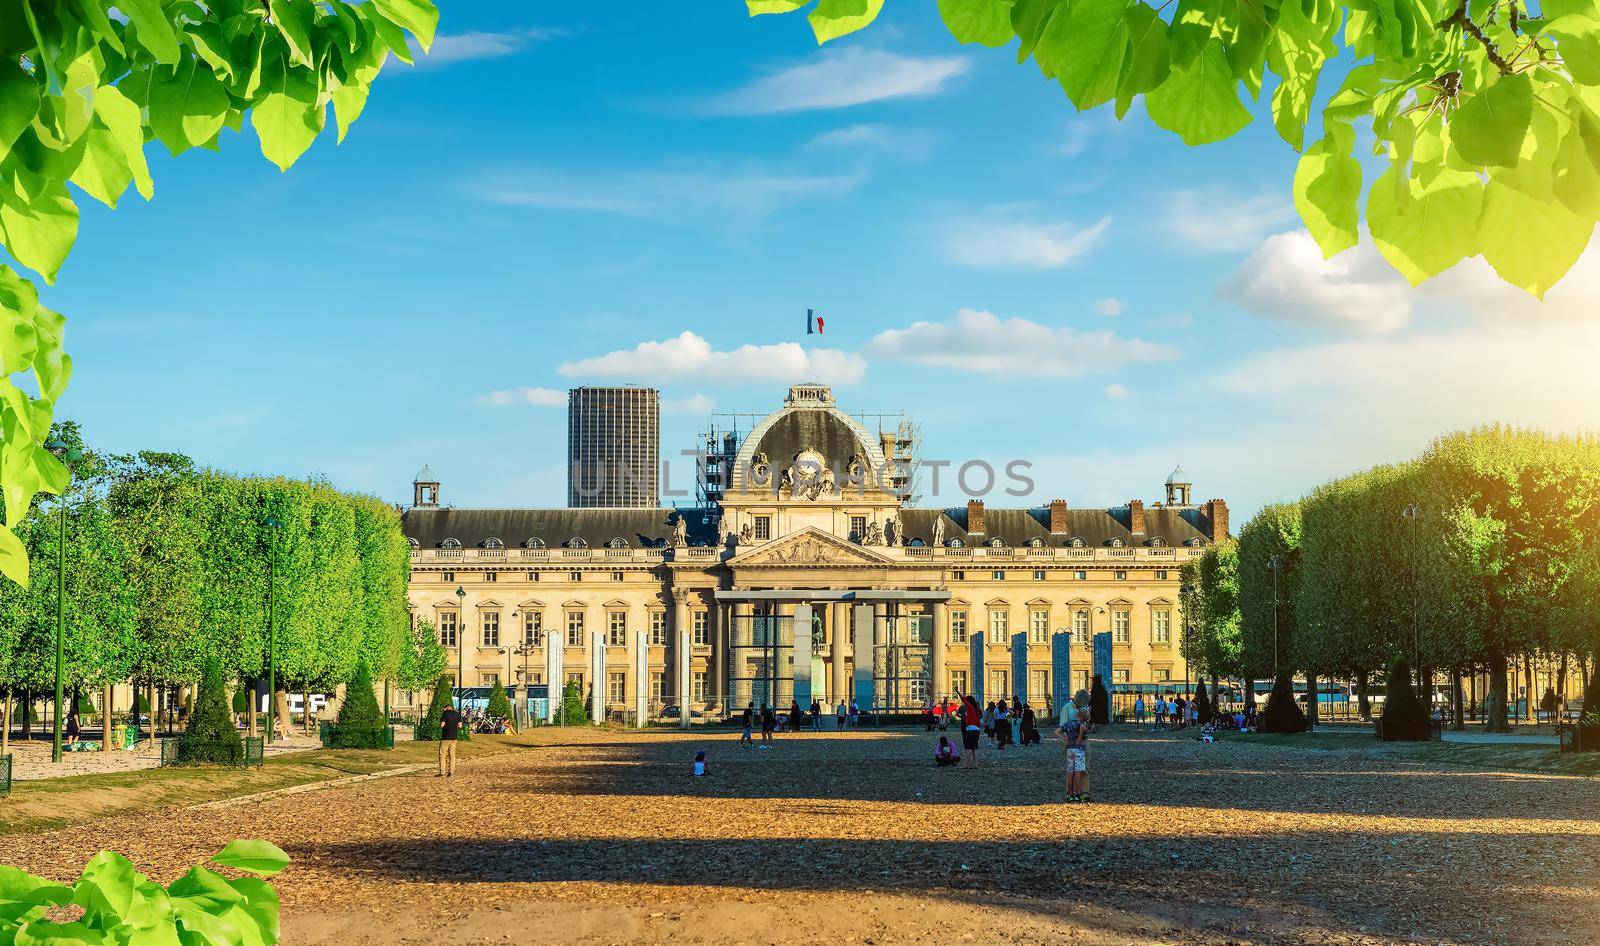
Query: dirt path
{"type": "Point", "coordinates": [602, 837]}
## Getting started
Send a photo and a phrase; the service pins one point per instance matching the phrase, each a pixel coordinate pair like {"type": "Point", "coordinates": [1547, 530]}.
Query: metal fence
{"type": "Point", "coordinates": [328, 733]}
{"type": "Point", "coordinates": [5, 775]}
{"type": "Point", "coordinates": [254, 756]}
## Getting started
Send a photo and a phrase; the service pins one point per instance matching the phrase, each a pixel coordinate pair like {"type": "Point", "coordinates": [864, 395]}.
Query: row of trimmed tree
{"type": "Point", "coordinates": [1483, 551]}
{"type": "Point", "coordinates": [167, 570]}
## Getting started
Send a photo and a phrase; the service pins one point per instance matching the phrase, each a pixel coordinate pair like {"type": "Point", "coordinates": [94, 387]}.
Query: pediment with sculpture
{"type": "Point", "coordinates": [809, 547]}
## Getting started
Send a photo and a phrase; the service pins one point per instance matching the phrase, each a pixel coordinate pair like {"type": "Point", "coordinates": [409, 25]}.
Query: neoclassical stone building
{"type": "Point", "coordinates": [807, 578]}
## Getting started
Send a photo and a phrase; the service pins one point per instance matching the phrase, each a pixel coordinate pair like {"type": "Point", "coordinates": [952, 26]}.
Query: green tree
{"type": "Point", "coordinates": [1219, 646]}
{"type": "Point", "coordinates": [1099, 701]}
{"type": "Point", "coordinates": [85, 84]}
{"type": "Point", "coordinates": [360, 724]}
{"type": "Point", "coordinates": [499, 704]}
{"type": "Point", "coordinates": [210, 735]}
{"type": "Point", "coordinates": [1482, 113]}
{"type": "Point", "coordinates": [423, 660]}
{"type": "Point", "coordinates": [1269, 582]}
{"type": "Point", "coordinates": [574, 711]}
{"type": "Point", "coordinates": [443, 694]}
{"type": "Point", "coordinates": [1405, 718]}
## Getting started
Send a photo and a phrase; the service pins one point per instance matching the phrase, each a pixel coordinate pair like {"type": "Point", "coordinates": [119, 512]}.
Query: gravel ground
{"type": "Point", "coordinates": [593, 836]}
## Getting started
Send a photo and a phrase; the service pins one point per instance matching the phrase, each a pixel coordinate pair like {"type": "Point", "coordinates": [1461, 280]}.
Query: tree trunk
{"type": "Point", "coordinates": [105, 718]}
{"type": "Point", "coordinates": [1561, 680]}
{"type": "Point", "coordinates": [1457, 718]}
{"type": "Point", "coordinates": [5, 725]}
{"type": "Point", "coordinates": [1472, 693]}
{"type": "Point", "coordinates": [1313, 700]}
{"type": "Point", "coordinates": [1495, 710]}
{"type": "Point", "coordinates": [1364, 695]}
{"type": "Point", "coordinates": [285, 725]}
{"type": "Point", "coordinates": [1530, 706]}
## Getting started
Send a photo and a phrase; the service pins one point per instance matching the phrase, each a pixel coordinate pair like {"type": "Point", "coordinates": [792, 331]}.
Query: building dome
{"type": "Point", "coordinates": [1177, 476]}
{"type": "Point", "coordinates": [810, 423]}
{"type": "Point", "coordinates": [424, 475]}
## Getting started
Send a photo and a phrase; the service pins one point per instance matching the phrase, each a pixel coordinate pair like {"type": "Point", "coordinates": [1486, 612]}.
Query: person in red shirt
{"type": "Point", "coordinates": [971, 730]}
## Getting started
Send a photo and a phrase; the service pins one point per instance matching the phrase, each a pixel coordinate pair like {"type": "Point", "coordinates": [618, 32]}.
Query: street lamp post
{"type": "Point", "coordinates": [1276, 564]}
{"type": "Point", "coordinates": [1412, 513]}
{"type": "Point", "coordinates": [461, 642]}
{"type": "Point", "coordinates": [274, 527]}
{"type": "Point", "coordinates": [67, 455]}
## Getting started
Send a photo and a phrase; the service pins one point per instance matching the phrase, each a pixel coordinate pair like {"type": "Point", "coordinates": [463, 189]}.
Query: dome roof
{"type": "Point", "coordinates": [823, 431]}
{"type": "Point", "coordinates": [424, 475]}
{"type": "Point", "coordinates": [1177, 476]}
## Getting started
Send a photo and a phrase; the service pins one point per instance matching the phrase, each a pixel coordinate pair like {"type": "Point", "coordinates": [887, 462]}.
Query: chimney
{"type": "Point", "coordinates": [1058, 517]}
{"type": "Point", "coordinates": [1136, 517]}
{"type": "Point", "coordinates": [975, 516]}
{"type": "Point", "coordinates": [1216, 513]}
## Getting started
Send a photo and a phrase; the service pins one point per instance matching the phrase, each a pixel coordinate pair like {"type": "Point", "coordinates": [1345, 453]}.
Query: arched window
{"type": "Point", "coordinates": [1077, 542]}
{"type": "Point", "coordinates": [1117, 543]}
{"type": "Point", "coordinates": [995, 542]}
{"type": "Point", "coordinates": [1035, 543]}
{"type": "Point", "coordinates": [955, 543]}
{"type": "Point", "coordinates": [450, 544]}
{"type": "Point", "coordinates": [412, 542]}
{"type": "Point", "coordinates": [1157, 542]}
{"type": "Point", "coordinates": [916, 543]}
{"type": "Point", "coordinates": [1196, 542]}
{"type": "Point", "coordinates": [534, 543]}
{"type": "Point", "coordinates": [493, 543]}
{"type": "Point", "coordinates": [617, 543]}
{"type": "Point", "coordinates": [577, 542]}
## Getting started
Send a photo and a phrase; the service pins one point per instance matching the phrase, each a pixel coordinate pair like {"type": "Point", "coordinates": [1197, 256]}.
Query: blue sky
{"type": "Point", "coordinates": [558, 185]}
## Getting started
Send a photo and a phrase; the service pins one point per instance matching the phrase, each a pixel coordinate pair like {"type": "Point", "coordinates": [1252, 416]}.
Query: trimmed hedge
{"type": "Point", "coordinates": [211, 736]}
{"type": "Point", "coordinates": [360, 724]}
{"type": "Point", "coordinates": [1405, 717]}
{"type": "Point", "coordinates": [428, 729]}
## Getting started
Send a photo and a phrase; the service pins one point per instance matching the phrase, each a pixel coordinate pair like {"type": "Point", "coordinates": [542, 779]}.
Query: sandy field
{"type": "Point", "coordinates": [596, 836]}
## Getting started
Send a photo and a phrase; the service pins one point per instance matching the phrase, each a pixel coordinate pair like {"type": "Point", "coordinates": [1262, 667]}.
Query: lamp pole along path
{"type": "Point", "coordinates": [67, 455]}
{"type": "Point", "coordinates": [273, 527]}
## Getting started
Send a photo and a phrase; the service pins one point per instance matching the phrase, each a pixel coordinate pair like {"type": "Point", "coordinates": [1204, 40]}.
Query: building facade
{"type": "Point", "coordinates": [810, 578]}
{"type": "Point", "coordinates": [613, 447]}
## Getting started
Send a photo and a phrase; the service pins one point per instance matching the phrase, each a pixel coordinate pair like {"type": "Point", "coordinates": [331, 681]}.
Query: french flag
{"type": "Point", "coordinates": [813, 323]}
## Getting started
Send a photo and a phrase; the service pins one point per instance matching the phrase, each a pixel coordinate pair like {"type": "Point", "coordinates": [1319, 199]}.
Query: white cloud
{"type": "Point", "coordinates": [857, 139]}
{"type": "Point", "coordinates": [1286, 278]}
{"type": "Point", "coordinates": [688, 356]}
{"type": "Point", "coordinates": [840, 78]}
{"type": "Point", "coordinates": [538, 397]}
{"type": "Point", "coordinates": [1110, 308]}
{"type": "Point", "coordinates": [693, 404]}
{"type": "Point", "coordinates": [1217, 220]}
{"type": "Point", "coordinates": [1021, 245]}
{"type": "Point", "coordinates": [716, 196]}
{"type": "Point", "coordinates": [1116, 391]}
{"type": "Point", "coordinates": [1078, 137]}
{"type": "Point", "coordinates": [983, 343]}
{"type": "Point", "coordinates": [451, 48]}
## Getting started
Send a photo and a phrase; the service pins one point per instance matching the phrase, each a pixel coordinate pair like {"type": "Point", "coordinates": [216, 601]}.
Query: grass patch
{"type": "Point", "coordinates": [46, 804]}
{"type": "Point", "coordinates": [1499, 757]}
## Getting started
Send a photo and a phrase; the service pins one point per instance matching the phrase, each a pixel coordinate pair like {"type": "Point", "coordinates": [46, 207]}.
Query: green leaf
{"type": "Point", "coordinates": [187, 107]}
{"type": "Point", "coordinates": [758, 7]}
{"type": "Point", "coordinates": [831, 19]}
{"type": "Point", "coordinates": [1147, 65]}
{"type": "Point", "coordinates": [121, 118]}
{"type": "Point", "coordinates": [1327, 190]}
{"type": "Point", "coordinates": [1577, 39]}
{"type": "Point", "coordinates": [19, 102]}
{"type": "Point", "coordinates": [261, 903]}
{"type": "Point", "coordinates": [1534, 172]}
{"type": "Point", "coordinates": [45, 933]}
{"type": "Point", "coordinates": [1576, 171]}
{"type": "Point", "coordinates": [39, 230]}
{"type": "Point", "coordinates": [13, 565]}
{"type": "Point", "coordinates": [986, 22]}
{"type": "Point", "coordinates": [1084, 46]}
{"type": "Point", "coordinates": [19, 889]}
{"type": "Point", "coordinates": [1028, 20]}
{"type": "Point", "coordinates": [288, 120]}
{"type": "Point", "coordinates": [1490, 127]}
{"type": "Point", "coordinates": [1193, 26]}
{"type": "Point", "coordinates": [152, 28]}
{"type": "Point", "coordinates": [294, 19]}
{"type": "Point", "coordinates": [256, 857]}
{"type": "Point", "coordinates": [1530, 243]}
{"type": "Point", "coordinates": [350, 98]}
{"type": "Point", "coordinates": [418, 16]}
{"type": "Point", "coordinates": [204, 889]}
{"type": "Point", "coordinates": [1199, 103]}
{"type": "Point", "coordinates": [108, 887]}
{"type": "Point", "coordinates": [1424, 231]}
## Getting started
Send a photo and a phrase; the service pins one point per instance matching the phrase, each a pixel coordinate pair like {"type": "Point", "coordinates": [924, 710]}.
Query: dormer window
{"type": "Point", "coordinates": [617, 543]}
{"type": "Point", "coordinates": [493, 543]}
{"type": "Point", "coordinates": [412, 542]}
{"type": "Point", "coordinates": [1196, 542]}
{"type": "Point", "coordinates": [916, 543]}
{"type": "Point", "coordinates": [577, 542]}
{"type": "Point", "coordinates": [1077, 542]}
{"type": "Point", "coordinates": [1157, 542]}
{"type": "Point", "coordinates": [1035, 543]}
{"type": "Point", "coordinates": [450, 544]}
{"type": "Point", "coordinates": [534, 543]}
{"type": "Point", "coordinates": [956, 543]}
{"type": "Point", "coordinates": [995, 542]}
{"type": "Point", "coordinates": [1116, 543]}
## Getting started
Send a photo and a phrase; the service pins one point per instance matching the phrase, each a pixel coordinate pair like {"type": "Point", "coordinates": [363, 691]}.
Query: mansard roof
{"type": "Point", "coordinates": [1015, 527]}
{"type": "Point", "coordinates": [474, 528]}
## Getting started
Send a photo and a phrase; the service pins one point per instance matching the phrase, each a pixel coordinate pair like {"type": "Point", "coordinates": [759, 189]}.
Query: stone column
{"type": "Point", "coordinates": [804, 647]}
{"type": "Point", "coordinates": [681, 651]}
{"type": "Point", "coordinates": [597, 677]}
{"type": "Point", "coordinates": [555, 686]}
{"type": "Point", "coordinates": [839, 682]}
{"type": "Point", "coordinates": [719, 658]}
{"type": "Point", "coordinates": [936, 650]}
{"type": "Point", "coordinates": [739, 694]}
{"type": "Point", "coordinates": [641, 673]}
{"type": "Point", "coordinates": [862, 687]}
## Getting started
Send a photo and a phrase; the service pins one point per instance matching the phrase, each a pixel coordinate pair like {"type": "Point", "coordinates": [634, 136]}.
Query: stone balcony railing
{"type": "Point", "coordinates": [516, 556]}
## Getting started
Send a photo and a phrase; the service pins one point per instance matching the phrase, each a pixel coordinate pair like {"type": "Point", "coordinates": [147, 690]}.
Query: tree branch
{"type": "Point", "coordinates": [1462, 20]}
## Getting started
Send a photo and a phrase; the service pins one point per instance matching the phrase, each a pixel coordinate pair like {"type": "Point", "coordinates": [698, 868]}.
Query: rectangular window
{"type": "Point", "coordinates": [1161, 574]}
{"type": "Point", "coordinates": [958, 627]}
{"type": "Point", "coordinates": [1161, 626]}
{"type": "Point", "coordinates": [1119, 676]}
{"type": "Point", "coordinates": [1039, 627]}
{"type": "Point", "coordinates": [998, 689]}
{"type": "Point", "coordinates": [958, 575]}
{"type": "Point", "coordinates": [763, 528]}
{"type": "Point", "coordinates": [858, 527]}
{"type": "Point", "coordinates": [697, 686]}
{"type": "Point", "coordinates": [489, 679]}
{"type": "Point", "coordinates": [1119, 627]}
{"type": "Point", "coordinates": [1122, 576]}
{"type": "Point", "coordinates": [575, 576]}
{"type": "Point", "coordinates": [533, 628]}
{"type": "Point", "coordinates": [447, 628]}
{"type": "Point", "coordinates": [575, 678]}
{"type": "Point", "coordinates": [1163, 675]}
{"type": "Point", "coordinates": [535, 678]}
{"type": "Point", "coordinates": [1038, 574]}
{"type": "Point", "coordinates": [1080, 628]}
{"type": "Point", "coordinates": [1080, 682]}
{"type": "Point", "coordinates": [958, 682]}
{"type": "Point", "coordinates": [658, 687]}
{"type": "Point", "coordinates": [447, 576]}
{"type": "Point", "coordinates": [491, 576]}
{"type": "Point", "coordinates": [1038, 685]}
{"type": "Point", "coordinates": [616, 576]}
{"type": "Point", "coordinates": [918, 687]}
{"type": "Point", "coordinates": [491, 628]}
{"type": "Point", "coordinates": [533, 576]}
{"type": "Point", "coordinates": [700, 621]}
{"type": "Point", "coordinates": [998, 575]}
{"type": "Point", "coordinates": [617, 688]}
{"type": "Point", "coordinates": [999, 626]}
{"type": "Point", "coordinates": [617, 628]}
{"type": "Point", "coordinates": [1080, 576]}
{"type": "Point", "coordinates": [658, 628]}
{"type": "Point", "coordinates": [574, 628]}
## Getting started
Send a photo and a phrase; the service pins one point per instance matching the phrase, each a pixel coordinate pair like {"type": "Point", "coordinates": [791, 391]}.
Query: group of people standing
{"type": "Point", "coordinates": [1164, 710]}
{"type": "Point", "coordinates": [1016, 722]}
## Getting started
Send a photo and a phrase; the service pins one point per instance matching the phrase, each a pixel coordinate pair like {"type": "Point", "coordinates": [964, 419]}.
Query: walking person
{"type": "Point", "coordinates": [449, 731]}
{"type": "Point", "coordinates": [816, 716]}
{"type": "Point", "coordinates": [1075, 732]}
{"type": "Point", "coordinates": [971, 730]}
{"type": "Point", "coordinates": [1030, 726]}
{"type": "Point", "coordinates": [769, 723]}
{"type": "Point", "coordinates": [1138, 709]}
{"type": "Point", "coordinates": [840, 714]}
{"type": "Point", "coordinates": [794, 715]}
{"type": "Point", "coordinates": [855, 714]}
{"type": "Point", "coordinates": [749, 724]}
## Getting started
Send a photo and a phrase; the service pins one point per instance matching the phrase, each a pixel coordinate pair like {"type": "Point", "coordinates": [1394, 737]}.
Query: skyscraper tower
{"type": "Point", "coordinates": [613, 447]}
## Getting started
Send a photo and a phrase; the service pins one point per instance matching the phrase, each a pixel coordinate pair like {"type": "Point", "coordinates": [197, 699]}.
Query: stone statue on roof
{"type": "Point", "coordinates": [938, 529]}
{"type": "Point", "coordinates": [874, 535]}
{"type": "Point", "coordinates": [680, 532]}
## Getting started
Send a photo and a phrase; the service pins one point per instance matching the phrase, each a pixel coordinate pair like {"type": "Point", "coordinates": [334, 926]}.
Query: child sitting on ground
{"type": "Point", "coordinates": [945, 754]}
{"type": "Point", "coordinates": [700, 763]}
